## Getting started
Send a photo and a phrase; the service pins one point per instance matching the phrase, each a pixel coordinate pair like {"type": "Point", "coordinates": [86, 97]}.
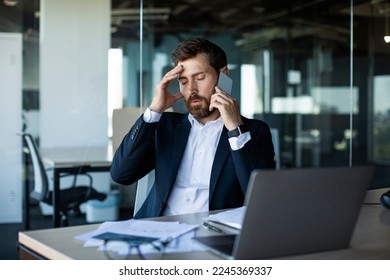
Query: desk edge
{"type": "Point", "coordinates": [43, 249]}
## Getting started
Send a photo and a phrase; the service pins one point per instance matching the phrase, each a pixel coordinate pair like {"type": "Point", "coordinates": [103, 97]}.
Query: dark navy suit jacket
{"type": "Point", "coordinates": [161, 145]}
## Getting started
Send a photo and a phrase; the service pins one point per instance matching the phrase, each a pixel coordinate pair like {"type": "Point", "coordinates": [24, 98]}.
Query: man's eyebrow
{"type": "Point", "coordinates": [192, 75]}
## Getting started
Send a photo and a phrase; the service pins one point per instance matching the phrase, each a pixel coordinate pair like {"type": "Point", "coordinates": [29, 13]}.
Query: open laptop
{"type": "Point", "coordinates": [296, 211]}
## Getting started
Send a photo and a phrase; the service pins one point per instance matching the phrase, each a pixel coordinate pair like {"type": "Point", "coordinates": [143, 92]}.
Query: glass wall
{"type": "Point", "coordinates": [316, 71]}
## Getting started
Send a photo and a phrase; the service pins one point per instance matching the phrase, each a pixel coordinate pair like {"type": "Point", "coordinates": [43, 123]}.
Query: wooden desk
{"type": "Point", "coordinates": [74, 160]}
{"type": "Point", "coordinates": [371, 239]}
{"type": "Point", "coordinates": [60, 244]}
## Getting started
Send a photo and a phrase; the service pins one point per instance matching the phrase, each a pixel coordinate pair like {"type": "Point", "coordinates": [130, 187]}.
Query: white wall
{"type": "Point", "coordinates": [11, 179]}
{"type": "Point", "coordinates": [74, 44]}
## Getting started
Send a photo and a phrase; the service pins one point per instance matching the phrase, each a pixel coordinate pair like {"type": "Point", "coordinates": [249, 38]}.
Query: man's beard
{"type": "Point", "coordinates": [199, 111]}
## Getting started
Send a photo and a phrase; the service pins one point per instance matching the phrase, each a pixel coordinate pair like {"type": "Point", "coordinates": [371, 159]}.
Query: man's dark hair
{"type": "Point", "coordinates": [192, 47]}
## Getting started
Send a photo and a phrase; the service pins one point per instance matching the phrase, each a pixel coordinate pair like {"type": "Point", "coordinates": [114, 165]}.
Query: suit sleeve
{"type": "Point", "coordinates": [257, 153]}
{"type": "Point", "coordinates": [134, 158]}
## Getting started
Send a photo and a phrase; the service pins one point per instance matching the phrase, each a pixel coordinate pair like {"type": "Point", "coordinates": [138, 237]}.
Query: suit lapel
{"type": "Point", "coordinates": [180, 137]}
{"type": "Point", "coordinates": [180, 142]}
{"type": "Point", "coordinates": [223, 150]}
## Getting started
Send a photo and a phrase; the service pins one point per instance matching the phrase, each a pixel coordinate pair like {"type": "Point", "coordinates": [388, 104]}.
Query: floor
{"type": "Point", "coordinates": [9, 232]}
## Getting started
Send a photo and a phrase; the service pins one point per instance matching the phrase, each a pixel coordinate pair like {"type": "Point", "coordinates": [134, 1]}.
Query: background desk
{"type": "Point", "coordinates": [371, 239]}
{"type": "Point", "coordinates": [74, 160]}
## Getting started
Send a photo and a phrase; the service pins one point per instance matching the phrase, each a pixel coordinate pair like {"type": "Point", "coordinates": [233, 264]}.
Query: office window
{"type": "Point", "coordinates": [292, 69]}
{"type": "Point", "coordinates": [381, 122]}
{"type": "Point", "coordinates": [115, 83]}
{"type": "Point", "coordinates": [290, 62]}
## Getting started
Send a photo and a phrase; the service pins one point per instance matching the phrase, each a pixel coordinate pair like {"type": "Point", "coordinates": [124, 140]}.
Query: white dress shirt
{"type": "Point", "coordinates": [190, 193]}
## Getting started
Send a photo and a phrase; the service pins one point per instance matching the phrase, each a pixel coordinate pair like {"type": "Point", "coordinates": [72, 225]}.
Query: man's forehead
{"type": "Point", "coordinates": [194, 66]}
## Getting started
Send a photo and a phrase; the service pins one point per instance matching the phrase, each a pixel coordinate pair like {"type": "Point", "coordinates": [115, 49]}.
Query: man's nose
{"type": "Point", "coordinates": [192, 87]}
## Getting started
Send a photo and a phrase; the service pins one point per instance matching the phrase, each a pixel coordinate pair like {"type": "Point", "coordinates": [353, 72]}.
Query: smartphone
{"type": "Point", "coordinates": [225, 83]}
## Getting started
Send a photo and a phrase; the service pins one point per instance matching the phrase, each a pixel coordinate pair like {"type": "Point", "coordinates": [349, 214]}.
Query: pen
{"type": "Point", "coordinates": [214, 228]}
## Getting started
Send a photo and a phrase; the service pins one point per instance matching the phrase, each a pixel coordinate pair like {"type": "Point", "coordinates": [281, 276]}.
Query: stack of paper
{"type": "Point", "coordinates": [230, 218]}
{"type": "Point", "coordinates": [182, 233]}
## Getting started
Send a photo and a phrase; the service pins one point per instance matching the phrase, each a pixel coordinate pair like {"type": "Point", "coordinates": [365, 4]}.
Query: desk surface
{"type": "Point", "coordinates": [76, 156]}
{"type": "Point", "coordinates": [59, 243]}
{"type": "Point", "coordinates": [371, 239]}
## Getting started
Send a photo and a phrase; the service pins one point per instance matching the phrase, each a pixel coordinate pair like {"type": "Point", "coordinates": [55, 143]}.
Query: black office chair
{"type": "Point", "coordinates": [70, 198]}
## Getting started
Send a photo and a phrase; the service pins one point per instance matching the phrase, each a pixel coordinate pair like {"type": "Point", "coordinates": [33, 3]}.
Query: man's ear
{"type": "Point", "coordinates": [225, 70]}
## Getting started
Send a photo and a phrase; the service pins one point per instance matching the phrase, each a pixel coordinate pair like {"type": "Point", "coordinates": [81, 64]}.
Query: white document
{"type": "Point", "coordinates": [231, 218]}
{"type": "Point", "coordinates": [161, 230]}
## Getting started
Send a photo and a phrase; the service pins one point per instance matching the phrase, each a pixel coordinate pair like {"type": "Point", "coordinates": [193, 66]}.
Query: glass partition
{"type": "Point", "coordinates": [316, 71]}
{"type": "Point", "coordinates": [293, 67]}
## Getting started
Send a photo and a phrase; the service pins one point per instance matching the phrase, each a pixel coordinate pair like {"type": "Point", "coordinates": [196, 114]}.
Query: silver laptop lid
{"type": "Point", "coordinates": [296, 211]}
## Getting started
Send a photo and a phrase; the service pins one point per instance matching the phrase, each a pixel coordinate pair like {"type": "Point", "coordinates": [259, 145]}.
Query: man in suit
{"type": "Point", "coordinates": [202, 159]}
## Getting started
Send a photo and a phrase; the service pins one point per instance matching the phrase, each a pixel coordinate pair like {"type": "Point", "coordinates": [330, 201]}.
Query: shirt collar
{"type": "Point", "coordinates": [194, 121]}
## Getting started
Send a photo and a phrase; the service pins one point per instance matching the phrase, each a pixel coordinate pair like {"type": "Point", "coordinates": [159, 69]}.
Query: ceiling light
{"type": "Point", "coordinates": [387, 38]}
{"type": "Point", "coordinates": [10, 3]}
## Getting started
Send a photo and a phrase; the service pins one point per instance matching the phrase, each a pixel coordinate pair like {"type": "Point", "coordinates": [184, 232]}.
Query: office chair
{"type": "Point", "coordinates": [70, 198]}
{"type": "Point", "coordinates": [144, 185]}
{"type": "Point", "coordinates": [275, 141]}
{"type": "Point", "coordinates": [122, 119]}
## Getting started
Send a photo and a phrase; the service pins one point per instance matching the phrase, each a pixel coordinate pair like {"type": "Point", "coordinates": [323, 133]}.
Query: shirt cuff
{"type": "Point", "coordinates": [151, 116]}
{"type": "Point", "coordinates": [239, 142]}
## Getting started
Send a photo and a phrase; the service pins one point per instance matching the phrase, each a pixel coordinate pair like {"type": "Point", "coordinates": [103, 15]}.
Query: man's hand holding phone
{"type": "Point", "coordinates": [227, 106]}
